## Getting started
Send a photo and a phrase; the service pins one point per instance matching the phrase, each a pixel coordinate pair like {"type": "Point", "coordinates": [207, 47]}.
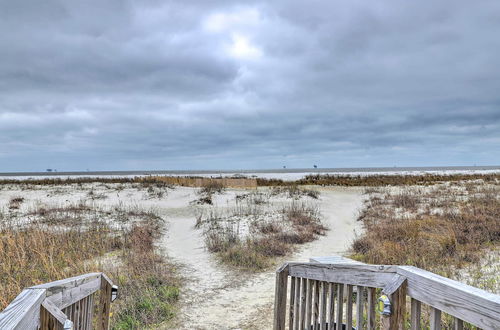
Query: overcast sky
{"type": "Point", "coordinates": [125, 85]}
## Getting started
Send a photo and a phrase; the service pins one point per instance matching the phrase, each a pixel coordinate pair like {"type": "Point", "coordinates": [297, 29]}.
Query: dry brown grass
{"type": "Point", "coordinates": [440, 230]}
{"type": "Point", "coordinates": [379, 180]}
{"type": "Point", "coordinates": [64, 242]}
{"type": "Point", "coordinates": [298, 223]}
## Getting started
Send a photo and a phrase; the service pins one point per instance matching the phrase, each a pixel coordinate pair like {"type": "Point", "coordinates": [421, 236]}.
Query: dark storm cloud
{"type": "Point", "coordinates": [219, 84]}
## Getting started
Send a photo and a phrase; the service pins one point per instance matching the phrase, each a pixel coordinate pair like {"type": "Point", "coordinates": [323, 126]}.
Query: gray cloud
{"type": "Point", "coordinates": [179, 84]}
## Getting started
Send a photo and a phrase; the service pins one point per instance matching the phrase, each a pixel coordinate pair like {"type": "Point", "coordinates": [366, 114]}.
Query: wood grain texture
{"type": "Point", "coordinates": [370, 309]}
{"type": "Point", "coordinates": [324, 289]}
{"type": "Point", "coordinates": [354, 274]}
{"type": "Point", "coordinates": [303, 297]}
{"type": "Point", "coordinates": [309, 304]}
{"type": "Point", "coordinates": [340, 306]}
{"type": "Point", "coordinates": [104, 304]}
{"type": "Point", "coordinates": [396, 320]}
{"type": "Point", "coordinates": [316, 305]}
{"type": "Point", "coordinates": [348, 307]}
{"type": "Point", "coordinates": [331, 317]}
{"type": "Point", "coordinates": [24, 311]}
{"type": "Point", "coordinates": [467, 303]}
{"type": "Point", "coordinates": [280, 297]}
{"type": "Point", "coordinates": [359, 306]}
{"type": "Point", "coordinates": [292, 303]}
{"type": "Point", "coordinates": [416, 311]}
{"type": "Point", "coordinates": [435, 319]}
{"type": "Point", "coordinates": [394, 284]}
{"type": "Point", "coordinates": [52, 317]}
{"type": "Point", "coordinates": [458, 324]}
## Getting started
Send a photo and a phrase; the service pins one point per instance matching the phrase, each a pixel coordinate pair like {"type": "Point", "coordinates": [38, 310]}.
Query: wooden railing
{"type": "Point", "coordinates": [339, 293]}
{"type": "Point", "coordinates": [64, 304]}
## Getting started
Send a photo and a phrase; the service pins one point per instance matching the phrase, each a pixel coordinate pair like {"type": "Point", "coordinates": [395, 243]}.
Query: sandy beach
{"type": "Point", "coordinates": [212, 291]}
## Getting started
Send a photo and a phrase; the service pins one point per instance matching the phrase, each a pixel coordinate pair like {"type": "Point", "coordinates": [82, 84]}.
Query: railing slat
{"type": "Point", "coordinates": [105, 302]}
{"type": "Point", "coordinates": [296, 304]}
{"type": "Point", "coordinates": [280, 298]}
{"type": "Point", "coordinates": [458, 324]}
{"type": "Point", "coordinates": [340, 305]}
{"type": "Point", "coordinates": [291, 305]}
{"type": "Point", "coordinates": [316, 305]}
{"type": "Point", "coordinates": [331, 318]}
{"type": "Point", "coordinates": [309, 304]}
{"type": "Point", "coordinates": [371, 309]}
{"type": "Point", "coordinates": [435, 319]}
{"type": "Point", "coordinates": [303, 296]}
{"type": "Point", "coordinates": [415, 314]}
{"type": "Point", "coordinates": [323, 305]}
{"type": "Point", "coordinates": [348, 308]}
{"type": "Point", "coordinates": [90, 312]}
{"type": "Point", "coordinates": [359, 307]}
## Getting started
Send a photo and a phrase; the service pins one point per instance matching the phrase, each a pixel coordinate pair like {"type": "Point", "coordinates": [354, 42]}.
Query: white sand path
{"type": "Point", "coordinates": [216, 297]}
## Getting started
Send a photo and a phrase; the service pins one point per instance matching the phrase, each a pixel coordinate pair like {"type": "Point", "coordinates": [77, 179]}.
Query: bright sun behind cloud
{"type": "Point", "coordinates": [237, 26]}
{"type": "Point", "coordinates": [243, 48]}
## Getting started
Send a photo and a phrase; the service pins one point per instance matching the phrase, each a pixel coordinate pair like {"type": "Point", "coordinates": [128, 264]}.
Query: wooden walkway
{"type": "Point", "coordinates": [340, 293]}
{"type": "Point", "coordinates": [67, 304]}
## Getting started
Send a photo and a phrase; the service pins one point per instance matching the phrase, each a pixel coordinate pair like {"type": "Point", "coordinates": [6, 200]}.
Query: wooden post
{"type": "Point", "coordinates": [324, 289]}
{"type": "Point", "coordinates": [371, 308]}
{"type": "Point", "coordinates": [292, 303]}
{"type": "Point", "coordinates": [435, 320]}
{"type": "Point", "coordinates": [51, 317]}
{"type": "Point", "coordinates": [340, 305]}
{"type": "Point", "coordinates": [415, 314]}
{"type": "Point", "coordinates": [303, 296]}
{"type": "Point", "coordinates": [280, 298]}
{"type": "Point", "coordinates": [348, 307]}
{"type": "Point", "coordinates": [104, 303]}
{"type": "Point", "coordinates": [396, 291]}
{"type": "Point", "coordinates": [331, 318]}
{"type": "Point", "coordinates": [309, 303]}
{"type": "Point", "coordinates": [359, 307]}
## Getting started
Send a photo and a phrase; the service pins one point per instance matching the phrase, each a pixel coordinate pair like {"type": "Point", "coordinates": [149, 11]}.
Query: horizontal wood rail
{"type": "Point", "coordinates": [339, 293]}
{"type": "Point", "coordinates": [64, 304]}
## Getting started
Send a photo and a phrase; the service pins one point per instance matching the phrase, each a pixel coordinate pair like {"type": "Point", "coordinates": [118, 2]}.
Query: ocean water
{"type": "Point", "coordinates": [285, 174]}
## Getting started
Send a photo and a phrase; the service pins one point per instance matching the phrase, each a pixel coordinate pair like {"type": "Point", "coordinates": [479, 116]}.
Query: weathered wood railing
{"type": "Point", "coordinates": [64, 304]}
{"type": "Point", "coordinates": [339, 293]}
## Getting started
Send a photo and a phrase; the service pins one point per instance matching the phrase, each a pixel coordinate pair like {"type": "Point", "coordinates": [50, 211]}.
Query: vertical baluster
{"type": "Point", "coordinates": [78, 313]}
{"type": "Point", "coordinates": [309, 303]}
{"type": "Point", "coordinates": [415, 314]}
{"type": "Point", "coordinates": [359, 307]}
{"type": "Point", "coordinates": [82, 313]}
{"type": "Point", "coordinates": [316, 305]}
{"type": "Point", "coordinates": [340, 306]}
{"type": "Point", "coordinates": [292, 302]}
{"type": "Point", "coordinates": [435, 320]}
{"type": "Point", "coordinates": [323, 305]}
{"type": "Point", "coordinates": [349, 307]}
{"type": "Point", "coordinates": [331, 311]}
{"type": "Point", "coordinates": [371, 308]}
{"type": "Point", "coordinates": [90, 316]}
{"type": "Point", "coordinates": [296, 307]}
{"type": "Point", "coordinates": [303, 296]}
{"type": "Point", "coordinates": [280, 291]}
{"type": "Point", "coordinates": [458, 324]}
